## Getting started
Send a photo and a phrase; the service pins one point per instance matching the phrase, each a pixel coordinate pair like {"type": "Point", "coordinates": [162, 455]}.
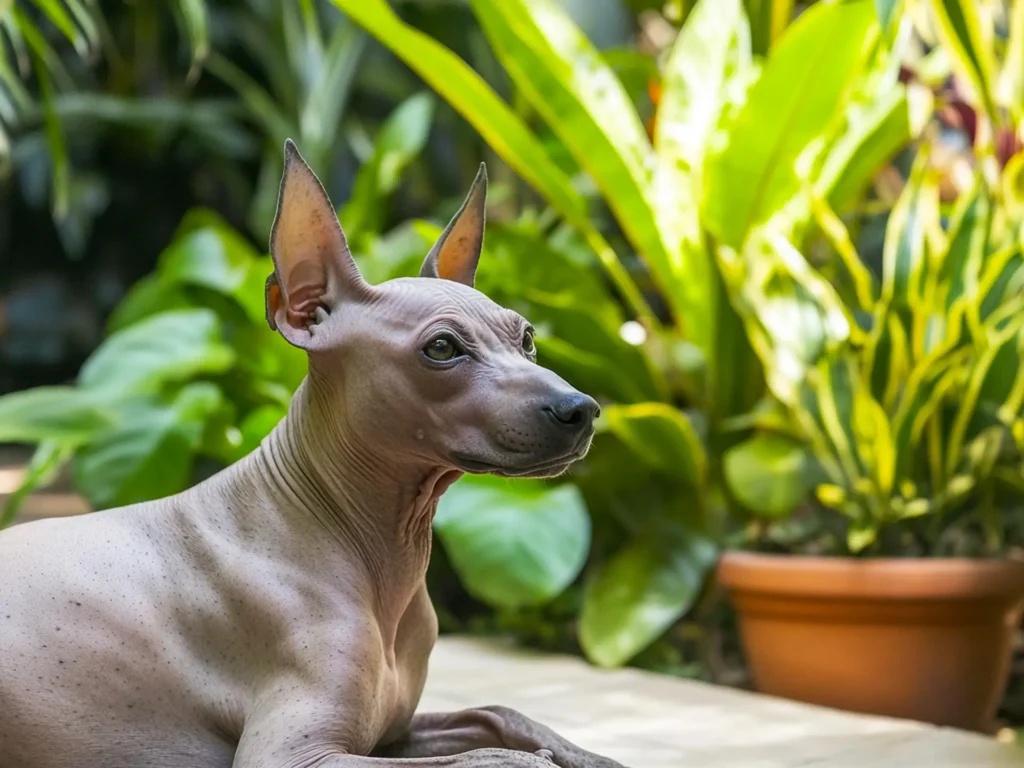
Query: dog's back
{"type": "Point", "coordinates": [86, 673]}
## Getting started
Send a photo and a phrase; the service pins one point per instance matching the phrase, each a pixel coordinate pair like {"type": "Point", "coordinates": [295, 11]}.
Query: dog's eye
{"type": "Point", "coordinates": [529, 347]}
{"type": "Point", "coordinates": [441, 349]}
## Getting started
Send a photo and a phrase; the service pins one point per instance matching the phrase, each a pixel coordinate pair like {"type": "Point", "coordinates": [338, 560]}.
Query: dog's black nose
{"type": "Point", "coordinates": [576, 411]}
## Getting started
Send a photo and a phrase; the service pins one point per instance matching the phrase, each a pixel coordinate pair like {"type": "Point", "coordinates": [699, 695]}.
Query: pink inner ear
{"type": "Point", "coordinates": [307, 284]}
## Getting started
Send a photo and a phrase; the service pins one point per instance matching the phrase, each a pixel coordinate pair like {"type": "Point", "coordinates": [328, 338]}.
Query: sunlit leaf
{"type": "Point", "coordinates": [802, 86]}
{"type": "Point", "coordinates": [965, 32]}
{"type": "Point", "coordinates": [1010, 86]}
{"type": "Point", "coordinates": [709, 60]}
{"type": "Point", "coordinates": [499, 126]}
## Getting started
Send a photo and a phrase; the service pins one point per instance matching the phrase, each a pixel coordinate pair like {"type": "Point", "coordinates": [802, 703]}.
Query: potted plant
{"type": "Point", "coordinates": [897, 589]}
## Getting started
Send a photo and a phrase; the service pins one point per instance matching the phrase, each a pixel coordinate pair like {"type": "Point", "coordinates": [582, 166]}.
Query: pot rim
{"type": "Point", "coordinates": [871, 578]}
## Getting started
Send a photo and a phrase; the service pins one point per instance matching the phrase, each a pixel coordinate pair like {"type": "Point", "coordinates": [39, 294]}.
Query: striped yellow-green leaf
{"type": "Point", "coordinates": [960, 269]}
{"type": "Point", "coordinates": [905, 251]}
{"type": "Point", "coordinates": [874, 438]}
{"type": "Point", "coordinates": [972, 395]}
{"type": "Point", "coordinates": [874, 136]}
{"type": "Point", "coordinates": [1010, 86]}
{"type": "Point", "coordinates": [965, 30]}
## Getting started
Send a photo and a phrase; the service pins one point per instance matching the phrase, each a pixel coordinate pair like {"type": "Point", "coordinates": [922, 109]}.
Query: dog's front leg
{"type": "Point", "coordinates": [479, 758]}
{"type": "Point", "coordinates": [451, 733]}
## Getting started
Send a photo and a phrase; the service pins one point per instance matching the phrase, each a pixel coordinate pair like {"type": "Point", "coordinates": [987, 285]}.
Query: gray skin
{"type": "Point", "coordinates": [276, 615]}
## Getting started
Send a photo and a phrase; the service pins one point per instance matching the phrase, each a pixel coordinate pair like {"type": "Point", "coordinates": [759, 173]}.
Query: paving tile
{"type": "Point", "coordinates": [646, 720]}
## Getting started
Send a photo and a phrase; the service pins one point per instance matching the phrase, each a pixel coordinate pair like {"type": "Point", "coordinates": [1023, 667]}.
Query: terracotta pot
{"type": "Point", "coordinates": [927, 640]}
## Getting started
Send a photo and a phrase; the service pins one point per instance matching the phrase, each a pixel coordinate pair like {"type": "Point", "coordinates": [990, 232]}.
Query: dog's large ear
{"type": "Point", "coordinates": [456, 253]}
{"type": "Point", "coordinates": [313, 267]}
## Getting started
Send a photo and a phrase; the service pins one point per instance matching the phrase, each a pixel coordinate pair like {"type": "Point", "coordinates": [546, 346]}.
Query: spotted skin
{"type": "Point", "coordinates": [276, 614]}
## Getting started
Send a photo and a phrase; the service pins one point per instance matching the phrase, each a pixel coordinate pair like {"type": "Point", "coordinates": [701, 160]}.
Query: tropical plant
{"type": "Point", "coordinates": [907, 388]}
{"type": "Point", "coordinates": [738, 140]}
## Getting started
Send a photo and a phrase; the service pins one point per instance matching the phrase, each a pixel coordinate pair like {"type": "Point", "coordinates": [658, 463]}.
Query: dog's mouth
{"type": "Point", "coordinates": [546, 468]}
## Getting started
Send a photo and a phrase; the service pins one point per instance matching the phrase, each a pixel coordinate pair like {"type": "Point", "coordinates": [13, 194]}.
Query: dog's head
{"type": "Point", "coordinates": [427, 368]}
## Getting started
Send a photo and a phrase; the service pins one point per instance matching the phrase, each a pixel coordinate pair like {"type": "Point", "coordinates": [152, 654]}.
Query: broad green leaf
{"type": "Point", "coordinates": [709, 59]}
{"type": "Point", "coordinates": [802, 87]}
{"type": "Point", "coordinates": [149, 454]}
{"type": "Point", "coordinates": [59, 414]}
{"type": "Point", "coordinates": [861, 536]}
{"type": "Point", "coordinates": [171, 346]}
{"type": "Point", "coordinates": [48, 460]}
{"type": "Point", "coordinates": [1001, 279]}
{"type": "Point", "coordinates": [965, 32]}
{"type": "Point", "coordinates": [266, 358]}
{"type": "Point", "coordinates": [792, 313]}
{"type": "Point", "coordinates": [922, 395]}
{"type": "Point", "coordinates": [640, 592]}
{"type": "Point", "coordinates": [513, 543]}
{"type": "Point", "coordinates": [258, 424]}
{"type": "Point", "coordinates": [768, 474]}
{"type": "Point", "coordinates": [589, 371]}
{"type": "Point", "coordinates": [835, 382]}
{"type": "Point", "coordinates": [500, 127]}
{"type": "Point", "coordinates": [663, 437]}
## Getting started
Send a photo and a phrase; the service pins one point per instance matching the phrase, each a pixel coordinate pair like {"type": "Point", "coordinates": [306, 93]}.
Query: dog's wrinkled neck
{"type": "Point", "coordinates": [379, 509]}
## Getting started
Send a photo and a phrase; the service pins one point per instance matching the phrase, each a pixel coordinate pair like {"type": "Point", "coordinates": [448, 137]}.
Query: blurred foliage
{"type": "Point", "coordinates": [720, 160]}
{"type": "Point", "coordinates": [781, 243]}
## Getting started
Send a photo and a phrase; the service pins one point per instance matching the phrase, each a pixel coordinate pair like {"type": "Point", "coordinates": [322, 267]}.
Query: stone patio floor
{"type": "Point", "coordinates": [645, 720]}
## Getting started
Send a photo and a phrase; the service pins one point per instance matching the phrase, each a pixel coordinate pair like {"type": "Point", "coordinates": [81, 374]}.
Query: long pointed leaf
{"type": "Point", "coordinates": [905, 250]}
{"type": "Point", "coordinates": [575, 91]}
{"type": "Point", "coordinates": [500, 127]}
{"type": "Point", "coordinates": [804, 83]}
{"type": "Point", "coordinates": [967, 35]}
{"type": "Point", "coordinates": [710, 56]}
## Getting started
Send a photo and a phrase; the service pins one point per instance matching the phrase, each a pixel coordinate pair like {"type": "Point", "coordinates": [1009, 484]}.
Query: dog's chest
{"type": "Point", "coordinates": [407, 672]}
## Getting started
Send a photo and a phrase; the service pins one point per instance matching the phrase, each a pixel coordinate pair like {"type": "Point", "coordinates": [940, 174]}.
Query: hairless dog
{"type": "Point", "coordinates": [276, 614]}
